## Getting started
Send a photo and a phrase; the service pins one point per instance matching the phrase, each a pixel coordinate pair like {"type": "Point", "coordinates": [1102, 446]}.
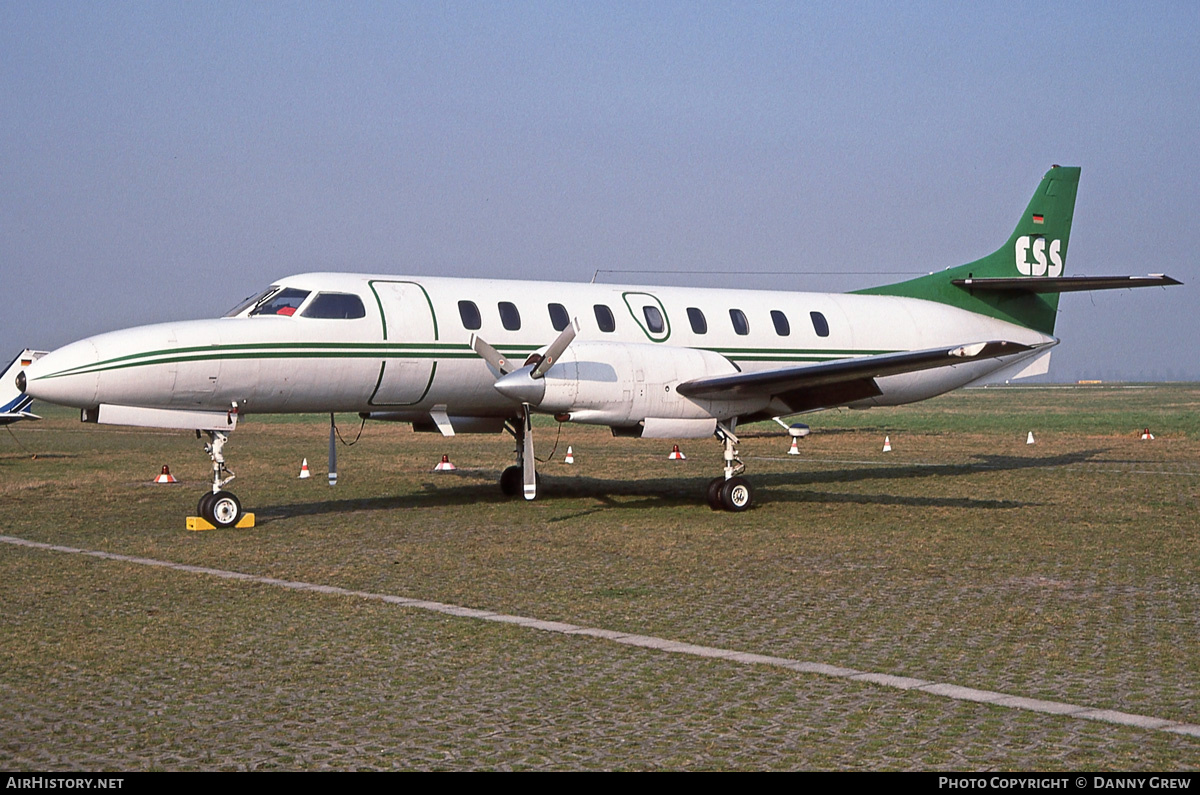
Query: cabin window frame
{"type": "Point", "coordinates": [782, 327]}
{"type": "Point", "coordinates": [606, 321]}
{"type": "Point", "coordinates": [563, 318]}
{"type": "Point", "coordinates": [468, 313]}
{"type": "Point", "coordinates": [510, 316]}
{"type": "Point", "coordinates": [741, 323]}
{"type": "Point", "coordinates": [820, 324]}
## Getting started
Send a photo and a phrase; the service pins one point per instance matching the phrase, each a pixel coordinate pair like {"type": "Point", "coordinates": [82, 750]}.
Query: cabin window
{"type": "Point", "coordinates": [740, 324]}
{"type": "Point", "coordinates": [604, 318]}
{"type": "Point", "coordinates": [510, 318]}
{"type": "Point", "coordinates": [285, 302]}
{"type": "Point", "coordinates": [654, 319]}
{"type": "Point", "coordinates": [782, 327]}
{"type": "Point", "coordinates": [696, 318]}
{"type": "Point", "coordinates": [820, 324]}
{"type": "Point", "coordinates": [559, 317]}
{"type": "Point", "coordinates": [470, 315]}
{"type": "Point", "coordinates": [336, 306]}
{"type": "Point", "coordinates": [253, 300]}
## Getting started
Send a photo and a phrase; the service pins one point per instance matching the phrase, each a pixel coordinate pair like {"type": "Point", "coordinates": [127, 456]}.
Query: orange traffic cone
{"type": "Point", "coordinates": [887, 444]}
{"type": "Point", "coordinates": [304, 473]}
{"type": "Point", "coordinates": [677, 454]}
{"type": "Point", "coordinates": [166, 476]}
{"type": "Point", "coordinates": [570, 459]}
{"type": "Point", "coordinates": [794, 449]}
{"type": "Point", "coordinates": [1146, 435]}
{"type": "Point", "coordinates": [444, 465]}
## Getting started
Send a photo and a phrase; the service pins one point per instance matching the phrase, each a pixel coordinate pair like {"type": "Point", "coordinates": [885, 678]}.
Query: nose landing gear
{"type": "Point", "coordinates": [219, 507]}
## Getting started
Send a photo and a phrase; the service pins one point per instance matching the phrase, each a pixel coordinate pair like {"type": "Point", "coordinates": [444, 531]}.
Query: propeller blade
{"type": "Point", "coordinates": [527, 460]}
{"type": "Point", "coordinates": [491, 355]}
{"type": "Point", "coordinates": [555, 350]}
{"type": "Point", "coordinates": [332, 453]}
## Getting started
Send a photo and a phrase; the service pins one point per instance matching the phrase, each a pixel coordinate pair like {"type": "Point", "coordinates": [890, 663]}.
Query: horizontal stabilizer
{"type": "Point", "coordinates": [15, 416]}
{"type": "Point", "coordinates": [1064, 284]}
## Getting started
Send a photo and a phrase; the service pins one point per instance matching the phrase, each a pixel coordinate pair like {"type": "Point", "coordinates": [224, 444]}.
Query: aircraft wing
{"type": "Point", "coordinates": [836, 383]}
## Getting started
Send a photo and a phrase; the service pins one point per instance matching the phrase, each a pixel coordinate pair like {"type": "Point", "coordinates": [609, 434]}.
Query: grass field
{"type": "Point", "coordinates": [1065, 570]}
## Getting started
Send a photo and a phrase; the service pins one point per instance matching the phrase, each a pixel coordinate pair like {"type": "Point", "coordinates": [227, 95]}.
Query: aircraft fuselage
{"type": "Point", "coordinates": [409, 351]}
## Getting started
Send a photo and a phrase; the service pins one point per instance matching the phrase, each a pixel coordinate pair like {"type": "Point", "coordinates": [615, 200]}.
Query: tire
{"type": "Point", "coordinates": [512, 481]}
{"type": "Point", "coordinates": [225, 508]}
{"type": "Point", "coordinates": [714, 493]}
{"type": "Point", "coordinates": [736, 495]}
{"type": "Point", "coordinates": [203, 508]}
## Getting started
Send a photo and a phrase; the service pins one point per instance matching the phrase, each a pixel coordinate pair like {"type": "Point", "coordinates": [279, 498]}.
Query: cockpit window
{"type": "Point", "coordinates": [284, 302]}
{"type": "Point", "coordinates": [335, 306]}
{"type": "Point", "coordinates": [251, 301]}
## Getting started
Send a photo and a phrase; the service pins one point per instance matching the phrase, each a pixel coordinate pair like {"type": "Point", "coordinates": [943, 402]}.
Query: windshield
{"type": "Point", "coordinates": [336, 306]}
{"type": "Point", "coordinates": [250, 301]}
{"type": "Point", "coordinates": [285, 302]}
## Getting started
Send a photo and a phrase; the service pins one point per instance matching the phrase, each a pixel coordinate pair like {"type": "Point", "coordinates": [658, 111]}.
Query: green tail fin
{"type": "Point", "coordinates": [1037, 247]}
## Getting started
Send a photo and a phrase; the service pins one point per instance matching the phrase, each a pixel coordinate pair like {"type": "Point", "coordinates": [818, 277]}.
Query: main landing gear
{"type": "Point", "coordinates": [219, 507]}
{"type": "Point", "coordinates": [730, 492]}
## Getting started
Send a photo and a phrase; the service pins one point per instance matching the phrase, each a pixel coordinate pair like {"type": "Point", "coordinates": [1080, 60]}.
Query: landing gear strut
{"type": "Point", "coordinates": [730, 492]}
{"type": "Point", "coordinates": [219, 507]}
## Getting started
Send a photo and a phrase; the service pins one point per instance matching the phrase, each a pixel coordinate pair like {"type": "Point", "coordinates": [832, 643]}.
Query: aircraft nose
{"type": "Point", "coordinates": [63, 376]}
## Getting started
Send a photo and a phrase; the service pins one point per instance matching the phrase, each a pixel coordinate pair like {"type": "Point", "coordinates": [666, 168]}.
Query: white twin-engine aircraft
{"type": "Point", "coordinates": [475, 355]}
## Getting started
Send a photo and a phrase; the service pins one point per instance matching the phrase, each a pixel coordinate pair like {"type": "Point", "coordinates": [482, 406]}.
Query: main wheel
{"type": "Point", "coordinates": [512, 481]}
{"type": "Point", "coordinates": [714, 493]}
{"type": "Point", "coordinates": [224, 509]}
{"type": "Point", "coordinates": [203, 507]}
{"type": "Point", "coordinates": [736, 495]}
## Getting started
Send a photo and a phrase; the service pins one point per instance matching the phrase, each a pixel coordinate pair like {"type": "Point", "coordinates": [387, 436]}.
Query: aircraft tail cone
{"type": "Point", "coordinates": [166, 476]}
{"type": "Point", "coordinates": [444, 465]}
{"type": "Point", "coordinates": [794, 449]}
{"type": "Point", "coordinates": [1029, 440]}
{"type": "Point", "coordinates": [887, 444]}
{"type": "Point", "coordinates": [1146, 435]}
{"type": "Point", "coordinates": [570, 459]}
{"type": "Point", "coordinates": [677, 454]}
{"type": "Point", "coordinates": [304, 473]}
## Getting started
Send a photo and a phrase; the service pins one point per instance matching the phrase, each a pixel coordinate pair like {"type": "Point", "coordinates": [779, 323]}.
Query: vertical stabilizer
{"type": "Point", "coordinates": [14, 403]}
{"type": "Point", "coordinates": [1036, 248]}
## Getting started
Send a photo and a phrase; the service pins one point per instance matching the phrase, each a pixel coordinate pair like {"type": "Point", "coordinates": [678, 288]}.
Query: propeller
{"type": "Point", "coordinates": [332, 453]}
{"type": "Point", "coordinates": [490, 355]}
{"type": "Point", "coordinates": [527, 387]}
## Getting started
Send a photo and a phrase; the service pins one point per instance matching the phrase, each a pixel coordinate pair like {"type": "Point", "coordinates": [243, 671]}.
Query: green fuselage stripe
{"type": "Point", "coordinates": [376, 350]}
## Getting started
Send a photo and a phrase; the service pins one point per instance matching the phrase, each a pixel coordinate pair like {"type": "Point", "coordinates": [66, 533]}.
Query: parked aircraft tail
{"type": "Point", "coordinates": [1022, 280]}
{"type": "Point", "coordinates": [14, 403]}
{"type": "Point", "coordinates": [1036, 250]}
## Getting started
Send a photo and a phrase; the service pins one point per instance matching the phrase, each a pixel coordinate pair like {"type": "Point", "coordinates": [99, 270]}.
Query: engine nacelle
{"type": "Point", "coordinates": [622, 384]}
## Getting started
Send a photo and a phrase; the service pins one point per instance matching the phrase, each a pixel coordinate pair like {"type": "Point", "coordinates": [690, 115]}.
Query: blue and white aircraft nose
{"type": "Point", "coordinates": [66, 376]}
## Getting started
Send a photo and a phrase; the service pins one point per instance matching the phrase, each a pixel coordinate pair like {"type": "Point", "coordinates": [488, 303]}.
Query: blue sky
{"type": "Point", "coordinates": [163, 160]}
